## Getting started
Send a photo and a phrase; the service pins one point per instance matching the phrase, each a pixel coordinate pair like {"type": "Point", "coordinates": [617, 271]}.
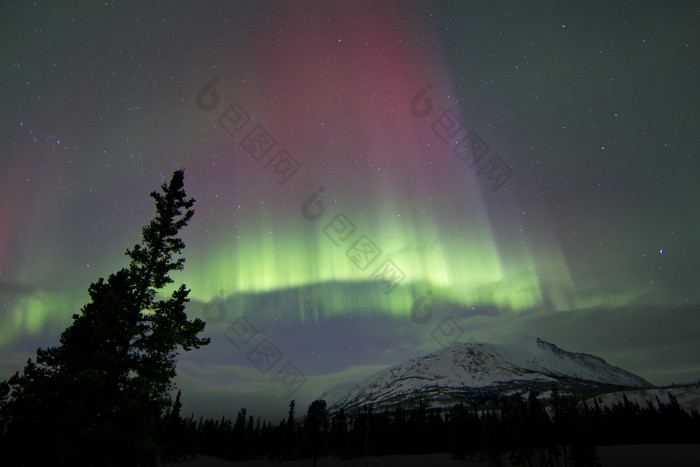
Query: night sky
{"type": "Point", "coordinates": [374, 180]}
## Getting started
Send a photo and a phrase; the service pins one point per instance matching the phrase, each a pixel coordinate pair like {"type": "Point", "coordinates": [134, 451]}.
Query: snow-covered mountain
{"type": "Point", "coordinates": [334, 394]}
{"type": "Point", "coordinates": [476, 372]}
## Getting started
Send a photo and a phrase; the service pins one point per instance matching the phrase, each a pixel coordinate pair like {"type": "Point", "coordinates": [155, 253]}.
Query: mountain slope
{"type": "Point", "coordinates": [475, 373]}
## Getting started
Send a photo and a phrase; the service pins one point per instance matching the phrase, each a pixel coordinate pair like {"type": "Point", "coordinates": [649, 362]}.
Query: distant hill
{"type": "Point", "coordinates": [473, 373]}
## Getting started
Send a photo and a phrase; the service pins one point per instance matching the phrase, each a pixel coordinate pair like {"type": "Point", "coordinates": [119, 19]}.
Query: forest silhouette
{"type": "Point", "coordinates": [559, 431]}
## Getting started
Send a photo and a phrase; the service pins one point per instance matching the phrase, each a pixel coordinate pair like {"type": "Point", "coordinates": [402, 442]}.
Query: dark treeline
{"type": "Point", "coordinates": [521, 430]}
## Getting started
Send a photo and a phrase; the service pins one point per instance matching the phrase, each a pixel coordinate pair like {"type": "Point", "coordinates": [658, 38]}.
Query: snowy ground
{"type": "Point", "coordinates": [648, 455]}
{"type": "Point", "coordinates": [432, 460]}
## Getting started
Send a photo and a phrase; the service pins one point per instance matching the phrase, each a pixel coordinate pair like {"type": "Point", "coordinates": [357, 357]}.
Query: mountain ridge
{"type": "Point", "coordinates": [473, 373]}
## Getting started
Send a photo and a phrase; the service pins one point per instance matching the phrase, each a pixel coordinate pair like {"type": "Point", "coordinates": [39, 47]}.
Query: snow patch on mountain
{"type": "Point", "coordinates": [337, 392]}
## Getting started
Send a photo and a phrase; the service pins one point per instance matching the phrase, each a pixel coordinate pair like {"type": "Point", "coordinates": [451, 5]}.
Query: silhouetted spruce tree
{"type": "Point", "coordinates": [437, 431]}
{"type": "Point", "coordinates": [540, 431]}
{"type": "Point", "coordinates": [583, 450]}
{"type": "Point", "coordinates": [251, 435]}
{"type": "Point", "coordinates": [278, 438]}
{"type": "Point", "coordinates": [242, 437]}
{"type": "Point", "coordinates": [362, 433]}
{"type": "Point", "coordinates": [290, 448]}
{"type": "Point", "coordinates": [677, 423]}
{"type": "Point", "coordinates": [516, 425]}
{"type": "Point", "coordinates": [418, 435]}
{"type": "Point", "coordinates": [4, 398]}
{"type": "Point", "coordinates": [492, 442]}
{"type": "Point", "coordinates": [316, 429]}
{"type": "Point", "coordinates": [461, 442]}
{"type": "Point", "coordinates": [99, 396]}
{"type": "Point", "coordinates": [339, 435]}
{"type": "Point", "coordinates": [176, 436]}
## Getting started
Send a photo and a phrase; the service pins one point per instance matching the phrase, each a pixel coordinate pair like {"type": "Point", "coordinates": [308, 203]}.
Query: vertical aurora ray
{"type": "Point", "coordinates": [381, 167]}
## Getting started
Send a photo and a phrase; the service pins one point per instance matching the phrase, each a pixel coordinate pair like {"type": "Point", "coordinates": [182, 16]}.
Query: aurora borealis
{"type": "Point", "coordinates": [503, 169]}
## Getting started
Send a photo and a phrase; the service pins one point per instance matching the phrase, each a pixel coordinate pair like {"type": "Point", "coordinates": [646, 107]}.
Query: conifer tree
{"type": "Point", "coordinates": [102, 392]}
{"type": "Point", "coordinates": [289, 445]}
{"type": "Point", "coordinates": [315, 429]}
{"type": "Point", "coordinates": [339, 434]}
